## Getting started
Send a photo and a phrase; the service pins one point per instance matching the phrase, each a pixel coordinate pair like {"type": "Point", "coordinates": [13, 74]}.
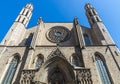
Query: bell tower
{"type": "Point", "coordinates": [25, 14]}
{"type": "Point", "coordinates": [59, 52]}
{"type": "Point", "coordinates": [17, 30]}
{"type": "Point", "coordinates": [97, 26]}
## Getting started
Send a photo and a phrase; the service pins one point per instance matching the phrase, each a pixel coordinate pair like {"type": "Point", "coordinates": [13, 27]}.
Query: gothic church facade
{"type": "Point", "coordinates": [59, 53]}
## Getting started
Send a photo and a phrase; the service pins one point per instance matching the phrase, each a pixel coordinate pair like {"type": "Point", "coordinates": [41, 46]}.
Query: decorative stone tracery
{"type": "Point", "coordinates": [55, 53]}
{"type": "Point", "coordinates": [84, 76]}
{"type": "Point", "coordinates": [58, 34]}
{"type": "Point", "coordinates": [27, 76]}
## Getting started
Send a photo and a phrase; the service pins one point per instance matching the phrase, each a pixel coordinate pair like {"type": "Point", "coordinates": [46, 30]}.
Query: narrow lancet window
{"type": "Point", "coordinates": [75, 60]}
{"type": "Point", "coordinates": [27, 13]}
{"type": "Point", "coordinates": [39, 61]}
{"type": "Point", "coordinates": [23, 20]}
{"type": "Point", "coordinates": [102, 70]}
{"type": "Point", "coordinates": [87, 39]}
{"type": "Point", "coordinates": [12, 66]}
{"type": "Point", "coordinates": [90, 14]}
{"type": "Point", "coordinates": [29, 40]}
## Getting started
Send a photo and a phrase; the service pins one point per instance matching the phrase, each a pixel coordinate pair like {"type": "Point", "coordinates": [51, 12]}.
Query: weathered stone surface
{"type": "Point", "coordinates": [70, 61]}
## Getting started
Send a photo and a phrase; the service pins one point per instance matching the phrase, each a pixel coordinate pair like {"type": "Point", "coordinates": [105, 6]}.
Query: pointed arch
{"type": "Point", "coordinates": [11, 68]}
{"type": "Point", "coordinates": [17, 55]}
{"type": "Point", "coordinates": [87, 39]}
{"type": "Point", "coordinates": [39, 60]}
{"type": "Point", "coordinates": [102, 69]}
{"type": "Point", "coordinates": [75, 60]}
{"type": "Point", "coordinates": [100, 56]}
{"type": "Point", "coordinates": [59, 68]}
{"type": "Point", "coordinates": [29, 39]}
{"type": "Point", "coordinates": [57, 53]}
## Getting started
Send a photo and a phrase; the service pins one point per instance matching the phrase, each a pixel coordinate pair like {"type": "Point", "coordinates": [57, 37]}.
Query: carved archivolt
{"type": "Point", "coordinates": [58, 34]}
{"type": "Point", "coordinates": [59, 69]}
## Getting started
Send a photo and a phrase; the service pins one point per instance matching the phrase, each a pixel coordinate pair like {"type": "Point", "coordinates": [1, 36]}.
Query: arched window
{"type": "Point", "coordinates": [29, 39]}
{"type": "Point", "coordinates": [39, 61]}
{"type": "Point", "coordinates": [87, 39]}
{"type": "Point", "coordinates": [26, 13]}
{"type": "Point", "coordinates": [75, 60]}
{"type": "Point", "coordinates": [23, 20]}
{"type": "Point", "coordinates": [12, 66]}
{"type": "Point", "coordinates": [90, 14]}
{"type": "Point", "coordinates": [19, 18]}
{"type": "Point", "coordinates": [102, 70]}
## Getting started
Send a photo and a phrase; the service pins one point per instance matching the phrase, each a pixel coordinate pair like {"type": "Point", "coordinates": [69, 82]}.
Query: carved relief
{"type": "Point", "coordinates": [58, 34]}
{"type": "Point", "coordinates": [55, 53]}
{"type": "Point", "coordinates": [84, 76]}
{"type": "Point", "coordinates": [27, 76]}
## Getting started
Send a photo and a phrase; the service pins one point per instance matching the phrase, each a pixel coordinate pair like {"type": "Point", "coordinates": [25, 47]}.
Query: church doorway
{"type": "Point", "coordinates": [57, 77]}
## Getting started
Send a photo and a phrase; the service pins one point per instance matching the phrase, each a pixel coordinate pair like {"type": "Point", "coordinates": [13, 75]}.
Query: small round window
{"type": "Point", "coordinates": [58, 34]}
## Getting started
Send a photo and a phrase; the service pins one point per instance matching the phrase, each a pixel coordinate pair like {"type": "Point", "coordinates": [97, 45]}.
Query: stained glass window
{"type": "Point", "coordinates": [87, 39]}
{"type": "Point", "coordinates": [39, 62]}
{"type": "Point", "coordinates": [58, 34]}
{"type": "Point", "coordinates": [28, 40]}
{"type": "Point", "coordinates": [102, 70]}
{"type": "Point", "coordinates": [75, 61]}
{"type": "Point", "coordinates": [10, 71]}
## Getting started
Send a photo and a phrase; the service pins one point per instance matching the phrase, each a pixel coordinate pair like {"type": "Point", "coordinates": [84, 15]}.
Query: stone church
{"type": "Point", "coordinates": [59, 53]}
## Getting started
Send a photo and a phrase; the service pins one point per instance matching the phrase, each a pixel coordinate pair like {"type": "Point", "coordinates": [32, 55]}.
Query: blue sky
{"type": "Point", "coordinates": [62, 11]}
